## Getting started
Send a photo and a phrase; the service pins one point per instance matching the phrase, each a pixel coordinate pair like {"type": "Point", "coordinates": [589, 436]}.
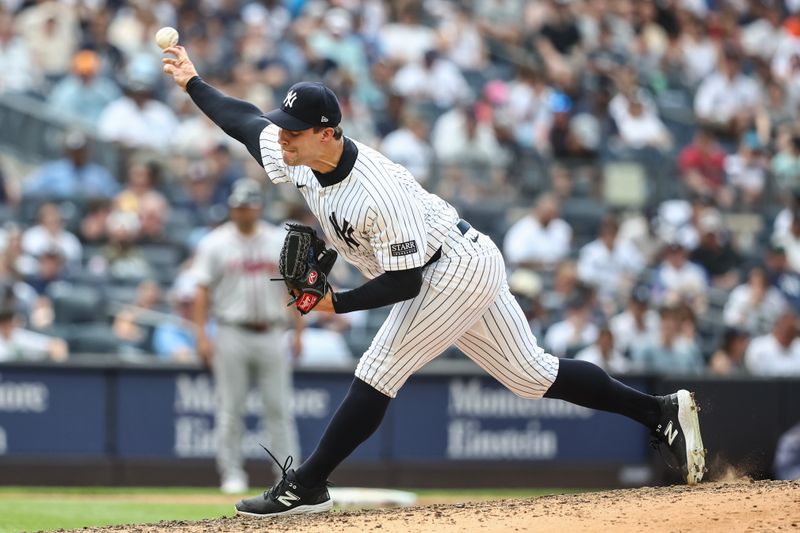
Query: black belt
{"type": "Point", "coordinates": [255, 327]}
{"type": "Point", "coordinates": [463, 226]}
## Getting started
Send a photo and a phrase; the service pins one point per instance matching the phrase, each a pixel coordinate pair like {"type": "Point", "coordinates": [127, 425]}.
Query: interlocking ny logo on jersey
{"type": "Point", "coordinates": [344, 232]}
{"type": "Point", "coordinates": [290, 98]}
{"type": "Point", "coordinates": [288, 497]}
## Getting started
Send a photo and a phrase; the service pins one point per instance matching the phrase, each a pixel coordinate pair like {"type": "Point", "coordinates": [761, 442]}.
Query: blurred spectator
{"type": "Point", "coordinates": [50, 270]}
{"type": "Point", "coordinates": [728, 360]}
{"type": "Point", "coordinates": [790, 241]}
{"type": "Point", "coordinates": [141, 181]}
{"type": "Point", "coordinates": [529, 105]}
{"type": "Point", "coordinates": [406, 39]}
{"type": "Point", "coordinates": [727, 99]}
{"type": "Point", "coordinates": [84, 94]}
{"type": "Point", "coordinates": [755, 305]}
{"type": "Point", "coordinates": [93, 223]}
{"type": "Point", "coordinates": [787, 454]}
{"type": "Point", "coordinates": [20, 74]}
{"type": "Point", "coordinates": [565, 338]}
{"type": "Point", "coordinates": [679, 281]}
{"type": "Point", "coordinates": [571, 136]}
{"type": "Point", "coordinates": [408, 146]}
{"type": "Point", "coordinates": [224, 170]}
{"type": "Point", "coordinates": [95, 38]}
{"type": "Point", "coordinates": [565, 284]}
{"type": "Point", "coordinates": [776, 353]}
{"type": "Point", "coordinates": [336, 41]}
{"type": "Point", "coordinates": [174, 340]}
{"type": "Point", "coordinates": [135, 322]}
{"type": "Point", "coordinates": [782, 276]}
{"type": "Point", "coordinates": [526, 286]}
{"type": "Point", "coordinates": [137, 119]}
{"type": "Point", "coordinates": [121, 259]}
{"type": "Point", "coordinates": [500, 23]}
{"type": "Point", "coordinates": [785, 164]}
{"type": "Point", "coordinates": [776, 112]}
{"type": "Point", "coordinates": [198, 196]}
{"type": "Point", "coordinates": [558, 40]}
{"type": "Point", "coordinates": [609, 264]}
{"type": "Point", "coordinates": [468, 152]}
{"type": "Point", "coordinates": [746, 170]}
{"type": "Point", "coordinates": [460, 41]}
{"type": "Point", "coordinates": [153, 213]}
{"type": "Point", "coordinates": [17, 343]}
{"type": "Point", "coordinates": [73, 176]}
{"type": "Point", "coordinates": [9, 188]}
{"type": "Point", "coordinates": [433, 80]}
{"type": "Point", "coordinates": [539, 239]}
{"type": "Point", "coordinates": [606, 59]}
{"type": "Point", "coordinates": [679, 219]}
{"type": "Point", "coordinates": [50, 234]}
{"type": "Point", "coordinates": [637, 325]}
{"type": "Point", "coordinates": [640, 127]}
{"type": "Point", "coordinates": [51, 31]}
{"type": "Point", "coordinates": [669, 352]}
{"type": "Point", "coordinates": [759, 34]}
{"type": "Point", "coordinates": [14, 291]}
{"type": "Point", "coordinates": [715, 253]}
{"type": "Point", "coordinates": [702, 167]}
{"type": "Point", "coordinates": [697, 51]}
{"type": "Point", "coordinates": [605, 354]}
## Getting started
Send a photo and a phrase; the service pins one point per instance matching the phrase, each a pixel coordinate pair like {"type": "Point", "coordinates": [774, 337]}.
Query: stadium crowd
{"type": "Point", "coordinates": [637, 161]}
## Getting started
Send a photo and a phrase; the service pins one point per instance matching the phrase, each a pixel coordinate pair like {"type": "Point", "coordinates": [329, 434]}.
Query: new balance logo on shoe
{"type": "Point", "coordinates": [669, 433]}
{"type": "Point", "coordinates": [287, 498]}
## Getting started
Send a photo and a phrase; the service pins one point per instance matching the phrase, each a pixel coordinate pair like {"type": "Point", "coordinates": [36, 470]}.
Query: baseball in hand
{"type": "Point", "coordinates": [166, 37]}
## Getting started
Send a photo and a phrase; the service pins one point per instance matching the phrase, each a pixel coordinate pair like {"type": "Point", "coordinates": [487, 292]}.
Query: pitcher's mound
{"type": "Point", "coordinates": [709, 507]}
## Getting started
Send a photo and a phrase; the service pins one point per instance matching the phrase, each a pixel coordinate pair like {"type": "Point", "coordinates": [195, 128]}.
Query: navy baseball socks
{"type": "Point", "coordinates": [672, 419]}
{"type": "Point", "coordinates": [306, 489]}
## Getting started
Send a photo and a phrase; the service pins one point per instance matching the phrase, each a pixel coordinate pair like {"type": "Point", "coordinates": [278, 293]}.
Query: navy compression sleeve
{"type": "Point", "coordinates": [239, 119]}
{"type": "Point", "coordinates": [388, 288]}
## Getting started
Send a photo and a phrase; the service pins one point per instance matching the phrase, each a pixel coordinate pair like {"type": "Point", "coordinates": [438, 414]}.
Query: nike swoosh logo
{"type": "Point", "coordinates": [475, 239]}
{"type": "Point", "coordinates": [300, 186]}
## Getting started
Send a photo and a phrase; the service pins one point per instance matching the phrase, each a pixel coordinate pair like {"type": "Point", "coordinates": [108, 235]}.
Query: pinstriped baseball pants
{"type": "Point", "coordinates": [464, 301]}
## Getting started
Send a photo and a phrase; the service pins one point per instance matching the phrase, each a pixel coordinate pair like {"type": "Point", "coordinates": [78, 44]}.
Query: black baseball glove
{"type": "Point", "coordinates": [305, 264]}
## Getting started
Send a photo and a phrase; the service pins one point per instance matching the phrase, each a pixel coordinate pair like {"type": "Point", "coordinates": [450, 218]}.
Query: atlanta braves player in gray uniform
{"type": "Point", "coordinates": [230, 266]}
{"type": "Point", "coordinates": [445, 280]}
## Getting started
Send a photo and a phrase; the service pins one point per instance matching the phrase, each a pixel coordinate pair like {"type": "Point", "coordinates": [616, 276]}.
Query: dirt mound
{"type": "Point", "coordinates": [710, 507]}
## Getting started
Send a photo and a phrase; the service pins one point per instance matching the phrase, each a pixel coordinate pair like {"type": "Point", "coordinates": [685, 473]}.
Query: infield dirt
{"type": "Point", "coordinates": [710, 507]}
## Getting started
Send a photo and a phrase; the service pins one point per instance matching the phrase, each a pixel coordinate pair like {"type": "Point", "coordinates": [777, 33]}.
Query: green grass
{"type": "Point", "coordinates": [43, 508]}
{"type": "Point", "coordinates": [50, 508]}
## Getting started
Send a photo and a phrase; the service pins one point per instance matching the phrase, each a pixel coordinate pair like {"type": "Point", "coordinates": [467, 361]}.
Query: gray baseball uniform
{"type": "Point", "coordinates": [251, 317]}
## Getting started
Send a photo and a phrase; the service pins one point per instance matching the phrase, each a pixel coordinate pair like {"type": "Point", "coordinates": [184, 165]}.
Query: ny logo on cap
{"type": "Point", "coordinates": [290, 98]}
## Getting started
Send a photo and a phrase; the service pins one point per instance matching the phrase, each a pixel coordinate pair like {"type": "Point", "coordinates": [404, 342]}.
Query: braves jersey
{"type": "Point", "coordinates": [237, 268]}
{"type": "Point", "coordinates": [378, 218]}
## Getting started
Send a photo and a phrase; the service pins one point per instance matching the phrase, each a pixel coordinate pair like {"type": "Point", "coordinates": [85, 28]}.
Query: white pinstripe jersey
{"type": "Point", "coordinates": [378, 218]}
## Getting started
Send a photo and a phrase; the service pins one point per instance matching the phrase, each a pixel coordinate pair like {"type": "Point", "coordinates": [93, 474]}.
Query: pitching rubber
{"type": "Point", "coordinates": [300, 509]}
{"type": "Point", "coordinates": [690, 424]}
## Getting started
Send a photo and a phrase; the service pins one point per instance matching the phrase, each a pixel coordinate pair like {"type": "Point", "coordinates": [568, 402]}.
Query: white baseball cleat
{"type": "Point", "coordinates": [679, 430]}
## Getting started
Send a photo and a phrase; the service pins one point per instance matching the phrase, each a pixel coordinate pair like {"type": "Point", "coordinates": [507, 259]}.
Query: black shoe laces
{"type": "Point", "coordinates": [278, 488]}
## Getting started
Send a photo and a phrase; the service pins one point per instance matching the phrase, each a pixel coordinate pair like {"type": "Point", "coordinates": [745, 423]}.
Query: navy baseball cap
{"type": "Point", "coordinates": [307, 105]}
